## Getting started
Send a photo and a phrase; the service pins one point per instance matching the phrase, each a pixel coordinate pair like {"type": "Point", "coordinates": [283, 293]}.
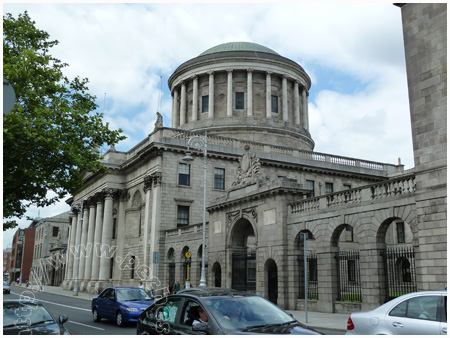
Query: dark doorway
{"type": "Point", "coordinates": [217, 276]}
{"type": "Point", "coordinates": [272, 284]}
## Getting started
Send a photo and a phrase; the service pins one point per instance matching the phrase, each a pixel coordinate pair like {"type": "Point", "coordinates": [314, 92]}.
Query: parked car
{"type": "Point", "coordinates": [6, 287]}
{"type": "Point", "coordinates": [228, 312]}
{"type": "Point", "coordinates": [122, 304]}
{"type": "Point", "coordinates": [30, 317]}
{"type": "Point", "coordinates": [418, 313]}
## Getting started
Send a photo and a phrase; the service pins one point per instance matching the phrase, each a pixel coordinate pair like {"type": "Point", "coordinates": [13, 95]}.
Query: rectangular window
{"type": "Point", "coordinates": [274, 104]}
{"type": "Point", "coordinates": [351, 270]}
{"type": "Point", "coordinates": [401, 232]}
{"type": "Point", "coordinates": [328, 188]}
{"type": "Point", "coordinates": [111, 267]}
{"type": "Point", "coordinates": [239, 101]}
{"type": "Point", "coordinates": [183, 174]}
{"type": "Point", "coordinates": [182, 215]}
{"type": "Point", "coordinates": [114, 228]}
{"type": "Point", "coordinates": [205, 104]}
{"type": "Point", "coordinates": [133, 264]}
{"type": "Point", "coordinates": [347, 186]}
{"type": "Point", "coordinates": [312, 269]}
{"type": "Point", "coordinates": [310, 186]}
{"type": "Point", "coordinates": [219, 178]}
{"type": "Point", "coordinates": [55, 231]}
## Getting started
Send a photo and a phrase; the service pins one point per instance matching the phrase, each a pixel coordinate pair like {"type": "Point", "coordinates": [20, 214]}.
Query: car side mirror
{"type": "Point", "coordinates": [200, 327]}
{"type": "Point", "coordinates": [63, 319]}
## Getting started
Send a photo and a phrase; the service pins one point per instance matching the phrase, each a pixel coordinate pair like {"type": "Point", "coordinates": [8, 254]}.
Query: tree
{"type": "Point", "coordinates": [51, 135]}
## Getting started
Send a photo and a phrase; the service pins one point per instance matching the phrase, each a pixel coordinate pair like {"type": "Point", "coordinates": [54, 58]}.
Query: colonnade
{"type": "Point", "coordinates": [96, 259]}
{"type": "Point", "coordinates": [179, 99]}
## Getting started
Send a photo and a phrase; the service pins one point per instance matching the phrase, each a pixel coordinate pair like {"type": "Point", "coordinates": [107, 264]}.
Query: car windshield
{"type": "Point", "coordinates": [25, 314]}
{"type": "Point", "coordinates": [124, 295]}
{"type": "Point", "coordinates": [246, 312]}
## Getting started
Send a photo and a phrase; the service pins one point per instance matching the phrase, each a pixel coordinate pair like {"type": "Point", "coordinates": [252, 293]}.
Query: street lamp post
{"type": "Point", "coordinates": [200, 142]}
{"type": "Point", "coordinates": [78, 245]}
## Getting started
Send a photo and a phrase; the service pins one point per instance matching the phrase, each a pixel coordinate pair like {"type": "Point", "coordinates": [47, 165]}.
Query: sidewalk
{"type": "Point", "coordinates": [316, 320]}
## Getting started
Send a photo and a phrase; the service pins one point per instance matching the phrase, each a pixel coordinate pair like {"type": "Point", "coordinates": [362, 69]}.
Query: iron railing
{"type": "Point", "coordinates": [311, 266]}
{"type": "Point", "coordinates": [400, 271]}
{"type": "Point", "coordinates": [349, 276]}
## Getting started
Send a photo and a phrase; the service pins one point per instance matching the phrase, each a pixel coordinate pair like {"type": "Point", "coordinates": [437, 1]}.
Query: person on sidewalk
{"type": "Point", "coordinates": [176, 287]}
{"type": "Point", "coordinates": [141, 285]}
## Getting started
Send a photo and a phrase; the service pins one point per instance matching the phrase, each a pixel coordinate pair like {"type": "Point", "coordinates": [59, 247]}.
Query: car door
{"type": "Point", "coordinates": [443, 314]}
{"type": "Point", "coordinates": [415, 316]}
{"type": "Point", "coordinates": [101, 302]}
{"type": "Point", "coordinates": [187, 315]}
{"type": "Point", "coordinates": [162, 317]}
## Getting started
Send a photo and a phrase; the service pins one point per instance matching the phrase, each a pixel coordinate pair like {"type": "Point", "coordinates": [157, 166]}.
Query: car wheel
{"type": "Point", "coordinates": [119, 319]}
{"type": "Point", "coordinates": [95, 315]}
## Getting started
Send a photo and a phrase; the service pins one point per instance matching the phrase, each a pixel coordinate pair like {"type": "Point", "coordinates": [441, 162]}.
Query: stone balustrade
{"type": "Point", "coordinates": [393, 187]}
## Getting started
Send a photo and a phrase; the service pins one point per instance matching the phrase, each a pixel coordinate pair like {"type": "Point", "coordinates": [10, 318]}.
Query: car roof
{"type": "Point", "coordinates": [213, 292]}
{"type": "Point", "coordinates": [27, 301]}
{"type": "Point", "coordinates": [121, 287]}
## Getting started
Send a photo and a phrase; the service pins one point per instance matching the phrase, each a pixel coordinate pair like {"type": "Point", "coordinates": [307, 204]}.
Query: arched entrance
{"type": "Point", "coordinates": [272, 280]}
{"type": "Point", "coordinates": [243, 249]}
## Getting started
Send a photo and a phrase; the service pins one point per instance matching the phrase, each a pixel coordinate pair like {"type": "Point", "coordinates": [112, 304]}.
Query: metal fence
{"type": "Point", "coordinates": [311, 266]}
{"type": "Point", "coordinates": [400, 271]}
{"type": "Point", "coordinates": [349, 276]}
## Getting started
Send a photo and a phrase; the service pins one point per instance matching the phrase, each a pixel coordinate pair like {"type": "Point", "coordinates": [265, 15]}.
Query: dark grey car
{"type": "Point", "coordinates": [227, 311]}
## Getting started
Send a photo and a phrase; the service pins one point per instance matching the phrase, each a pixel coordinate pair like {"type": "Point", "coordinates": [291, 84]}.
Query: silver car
{"type": "Point", "coordinates": [418, 313]}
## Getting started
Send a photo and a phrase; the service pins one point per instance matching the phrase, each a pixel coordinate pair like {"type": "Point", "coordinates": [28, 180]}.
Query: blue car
{"type": "Point", "coordinates": [121, 304]}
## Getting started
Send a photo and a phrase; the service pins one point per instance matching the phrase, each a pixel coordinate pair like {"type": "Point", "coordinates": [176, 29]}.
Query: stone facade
{"type": "Point", "coordinates": [265, 190]}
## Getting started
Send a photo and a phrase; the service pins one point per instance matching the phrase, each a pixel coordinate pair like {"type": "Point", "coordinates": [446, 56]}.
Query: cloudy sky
{"type": "Point", "coordinates": [353, 52]}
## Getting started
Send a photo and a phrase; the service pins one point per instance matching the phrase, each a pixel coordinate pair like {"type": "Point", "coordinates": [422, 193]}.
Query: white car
{"type": "Point", "coordinates": [418, 313]}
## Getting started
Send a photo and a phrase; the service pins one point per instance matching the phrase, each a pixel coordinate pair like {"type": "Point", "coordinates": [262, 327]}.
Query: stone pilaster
{"type": "Point", "coordinates": [120, 233]}
{"type": "Point", "coordinates": [305, 109]}
{"type": "Point", "coordinates": [229, 92]}
{"type": "Point", "coordinates": [195, 98]}
{"type": "Point", "coordinates": [296, 104]}
{"type": "Point", "coordinates": [268, 95]}
{"type": "Point", "coordinates": [156, 218]}
{"type": "Point", "coordinates": [176, 112]}
{"type": "Point", "coordinates": [285, 99]}
{"type": "Point", "coordinates": [90, 241]}
{"type": "Point", "coordinates": [211, 95]}
{"type": "Point", "coordinates": [148, 182]}
{"type": "Point", "coordinates": [183, 104]}
{"type": "Point", "coordinates": [250, 92]}
{"type": "Point", "coordinates": [82, 251]}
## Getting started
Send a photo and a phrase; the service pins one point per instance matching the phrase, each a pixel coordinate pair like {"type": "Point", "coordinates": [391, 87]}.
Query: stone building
{"type": "Point", "coordinates": [50, 248]}
{"type": "Point", "coordinates": [372, 230]}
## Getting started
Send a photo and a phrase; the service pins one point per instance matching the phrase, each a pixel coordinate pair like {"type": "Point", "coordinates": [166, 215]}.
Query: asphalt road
{"type": "Point", "coordinates": [78, 310]}
{"type": "Point", "coordinates": [80, 317]}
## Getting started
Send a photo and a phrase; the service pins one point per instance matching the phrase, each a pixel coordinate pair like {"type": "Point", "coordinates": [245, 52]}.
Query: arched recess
{"type": "Point", "coordinates": [346, 267]}
{"type": "Point", "coordinates": [217, 273]}
{"type": "Point", "coordinates": [311, 266]}
{"type": "Point", "coordinates": [397, 240]}
{"type": "Point", "coordinates": [271, 281]}
{"type": "Point", "coordinates": [243, 246]}
{"type": "Point", "coordinates": [170, 265]}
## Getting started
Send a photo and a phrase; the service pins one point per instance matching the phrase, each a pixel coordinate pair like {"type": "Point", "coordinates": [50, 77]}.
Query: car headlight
{"type": "Point", "coordinates": [131, 309]}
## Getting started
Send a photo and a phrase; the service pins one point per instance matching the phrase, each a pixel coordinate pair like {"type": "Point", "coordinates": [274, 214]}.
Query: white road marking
{"type": "Point", "coordinates": [98, 328]}
{"type": "Point", "coordinates": [45, 301]}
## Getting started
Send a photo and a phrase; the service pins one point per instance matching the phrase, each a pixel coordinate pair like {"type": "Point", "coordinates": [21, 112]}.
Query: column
{"type": "Point", "coordinates": [183, 104]}
{"type": "Point", "coordinates": [268, 95]}
{"type": "Point", "coordinates": [304, 109]}
{"type": "Point", "coordinates": [106, 235]}
{"type": "Point", "coordinates": [84, 232]}
{"type": "Point", "coordinates": [69, 254]}
{"type": "Point", "coordinates": [285, 98]}
{"type": "Point", "coordinates": [148, 181]}
{"type": "Point", "coordinates": [120, 233]}
{"type": "Point", "coordinates": [230, 92]}
{"type": "Point", "coordinates": [156, 218]}
{"type": "Point", "coordinates": [97, 238]}
{"type": "Point", "coordinates": [175, 114]}
{"type": "Point", "coordinates": [296, 104]}
{"type": "Point", "coordinates": [76, 250]}
{"type": "Point", "coordinates": [249, 92]}
{"type": "Point", "coordinates": [90, 241]}
{"type": "Point", "coordinates": [194, 98]}
{"type": "Point", "coordinates": [211, 95]}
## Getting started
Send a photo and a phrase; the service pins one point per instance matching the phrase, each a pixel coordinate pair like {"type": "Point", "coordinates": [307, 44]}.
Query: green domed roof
{"type": "Point", "coordinates": [238, 46]}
